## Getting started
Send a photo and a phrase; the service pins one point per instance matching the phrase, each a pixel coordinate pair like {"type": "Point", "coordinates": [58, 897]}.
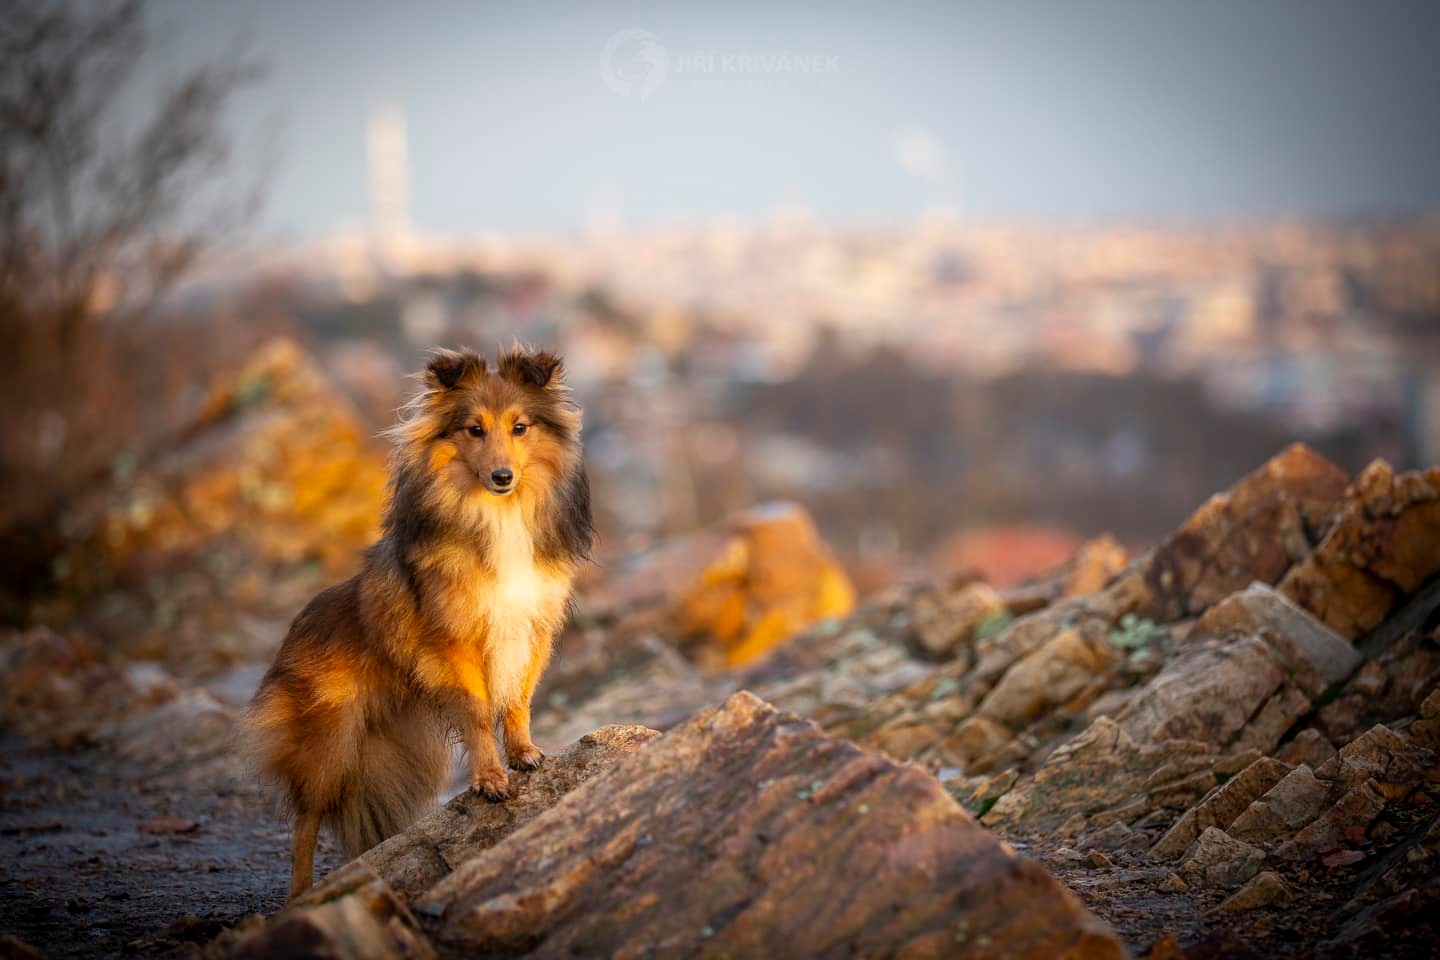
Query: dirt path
{"type": "Point", "coordinates": [101, 864]}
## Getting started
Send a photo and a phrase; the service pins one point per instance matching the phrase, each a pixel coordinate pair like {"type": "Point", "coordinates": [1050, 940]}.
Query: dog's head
{"type": "Point", "coordinates": [509, 431]}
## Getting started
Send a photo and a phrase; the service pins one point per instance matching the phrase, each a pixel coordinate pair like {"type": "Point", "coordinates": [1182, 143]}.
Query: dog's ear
{"type": "Point", "coordinates": [449, 369]}
{"type": "Point", "coordinates": [538, 369]}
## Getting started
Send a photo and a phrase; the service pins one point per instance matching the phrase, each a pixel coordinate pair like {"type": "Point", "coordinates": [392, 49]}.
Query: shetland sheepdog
{"type": "Point", "coordinates": [450, 622]}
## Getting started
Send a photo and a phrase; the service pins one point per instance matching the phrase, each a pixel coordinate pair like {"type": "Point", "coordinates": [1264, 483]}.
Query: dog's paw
{"type": "Point", "coordinates": [493, 785]}
{"type": "Point", "coordinates": [526, 758]}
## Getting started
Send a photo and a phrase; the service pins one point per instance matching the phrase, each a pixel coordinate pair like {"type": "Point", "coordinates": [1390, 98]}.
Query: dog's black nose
{"type": "Point", "coordinates": [502, 477]}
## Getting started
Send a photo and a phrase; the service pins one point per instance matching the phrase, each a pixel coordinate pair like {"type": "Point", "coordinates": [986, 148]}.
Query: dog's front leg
{"type": "Point", "coordinates": [520, 751]}
{"type": "Point", "coordinates": [487, 773]}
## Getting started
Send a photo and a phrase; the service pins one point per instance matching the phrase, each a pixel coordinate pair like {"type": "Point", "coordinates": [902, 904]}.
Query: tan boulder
{"type": "Point", "coordinates": [1068, 664]}
{"type": "Point", "coordinates": [975, 737]}
{"type": "Point", "coordinates": [1343, 824]}
{"type": "Point", "coordinates": [771, 578]}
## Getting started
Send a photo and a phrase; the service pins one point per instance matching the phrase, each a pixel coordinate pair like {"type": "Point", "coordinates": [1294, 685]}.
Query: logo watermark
{"type": "Point", "coordinates": [635, 62]}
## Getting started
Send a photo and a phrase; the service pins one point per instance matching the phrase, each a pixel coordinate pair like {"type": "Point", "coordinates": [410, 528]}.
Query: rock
{"type": "Point", "coordinates": [1233, 763]}
{"type": "Point", "coordinates": [1117, 836]}
{"type": "Point", "coordinates": [772, 577]}
{"type": "Point", "coordinates": [1276, 716]}
{"type": "Point", "coordinates": [1425, 732]}
{"type": "Point", "coordinates": [1092, 566]}
{"type": "Point", "coordinates": [59, 690]}
{"type": "Point", "coordinates": [411, 862]}
{"type": "Point", "coordinates": [1219, 860]}
{"type": "Point", "coordinates": [1386, 689]}
{"type": "Point", "coordinates": [1316, 656]}
{"type": "Point", "coordinates": [622, 670]}
{"type": "Point", "coordinates": [1309, 747]}
{"type": "Point", "coordinates": [1067, 855]}
{"type": "Point", "coordinates": [1064, 667]}
{"type": "Point", "coordinates": [975, 737]}
{"type": "Point", "coordinates": [1265, 889]}
{"type": "Point", "coordinates": [270, 492]}
{"type": "Point", "coordinates": [1103, 776]}
{"type": "Point", "coordinates": [748, 832]}
{"type": "Point", "coordinates": [945, 621]}
{"type": "Point", "coordinates": [1285, 807]}
{"type": "Point", "coordinates": [187, 741]}
{"type": "Point", "coordinates": [1221, 806]}
{"type": "Point", "coordinates": [1349, 816]}
{"type": "Point", "coordinates": [1254, 531]}
{"type": "Point", "coordinates": [1248, 670]}
{"type": "Point", "coordinates": [1401, 925]}
{"type": "Point", "coordinates": [1087, 570]}
{"type": "Point", "coordinates": [359, 919]}
{"type": "Point", "coordinates": [1390, 760]}
{"type": "Point", "coordinates": [982, 792]}
{"type": "Point", "coordinates": [1381, 548]}
{"type": "Point", "coordinates": [1209, 692]}
{"type": "Point", "coordinates": [275, 458]}
{"type": "Point", "coordinates": [623, 679]}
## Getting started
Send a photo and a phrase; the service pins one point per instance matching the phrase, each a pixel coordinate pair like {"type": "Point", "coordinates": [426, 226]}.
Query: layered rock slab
{"type": "Point", "coordinates": [747, 832]}
{"type": "Point", "coordinates": [411, 862]}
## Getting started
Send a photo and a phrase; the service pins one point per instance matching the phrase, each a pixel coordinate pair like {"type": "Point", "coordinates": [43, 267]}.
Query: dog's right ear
{"type": "Point", "coordinates": [449, 369]}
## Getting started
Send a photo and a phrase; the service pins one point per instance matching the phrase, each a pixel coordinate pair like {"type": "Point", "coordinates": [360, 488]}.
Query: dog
{"type": "Point", "coordinates": [449, 625]}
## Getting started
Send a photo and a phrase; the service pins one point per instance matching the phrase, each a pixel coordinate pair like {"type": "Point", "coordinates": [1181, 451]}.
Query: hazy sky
{"type": "Point", "coordinates": [1149, 109]}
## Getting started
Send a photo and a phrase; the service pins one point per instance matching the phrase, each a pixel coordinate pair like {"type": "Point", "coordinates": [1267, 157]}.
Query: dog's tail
{"type": "Point", "coordinates": [366, 778]}
{"type": "Point", "coordinates": [399, 770]}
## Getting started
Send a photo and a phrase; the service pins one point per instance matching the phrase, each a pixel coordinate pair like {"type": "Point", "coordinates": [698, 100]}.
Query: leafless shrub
{"type": "Point", "coordinates": [98, 220]}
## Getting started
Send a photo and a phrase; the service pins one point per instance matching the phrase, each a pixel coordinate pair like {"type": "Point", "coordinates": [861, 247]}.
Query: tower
{"type": "Point", "coordinates": [389, 181]}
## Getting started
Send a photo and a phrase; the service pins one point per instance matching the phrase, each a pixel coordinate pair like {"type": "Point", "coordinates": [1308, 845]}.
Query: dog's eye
{"type": "Point", "coordinates": [475, 430]}
{"type": "Point", "coordinates": [520, 429]}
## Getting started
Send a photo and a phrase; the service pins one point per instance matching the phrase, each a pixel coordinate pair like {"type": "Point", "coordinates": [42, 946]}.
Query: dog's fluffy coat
{"type": "Point", "coordinates": [449, 625]}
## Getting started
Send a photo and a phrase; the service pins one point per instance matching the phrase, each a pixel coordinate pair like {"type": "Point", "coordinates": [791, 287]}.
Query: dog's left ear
{"type": "Point", "coordinates": [449, 369]}
{"type": "Point", "coordinates": [539, 369]}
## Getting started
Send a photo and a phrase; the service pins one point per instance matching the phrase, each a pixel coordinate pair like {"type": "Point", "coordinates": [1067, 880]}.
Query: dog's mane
{"type": "Point", "coordinates": [419, 511]}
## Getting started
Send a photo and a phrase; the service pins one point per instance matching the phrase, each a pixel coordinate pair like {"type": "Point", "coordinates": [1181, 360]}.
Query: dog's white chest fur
{"type": "Point", "coordinates": [522, 608]}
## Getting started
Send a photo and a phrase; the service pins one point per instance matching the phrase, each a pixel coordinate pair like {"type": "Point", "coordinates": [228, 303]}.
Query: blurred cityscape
{"type": "Point", "coordinates": [942, 395]}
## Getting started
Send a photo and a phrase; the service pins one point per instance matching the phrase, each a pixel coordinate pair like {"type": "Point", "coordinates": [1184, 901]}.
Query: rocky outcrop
{"type": "Point", "coordinates": [1233, 740]}
{"type": "Point", "coordinates": [1197, 715]}
{"type": "Point", "coordinates": [269, 493]}
{"type": "Point", "coordinates": [1255, 531]}
{"type": "Point", "coordinates": [807, 845]}
{"type": "Point", "coordinates": [1066, 656]}
{"type": "Point", "coordinates": [743, 832]}
{"type": "Point", "coordinates": [1380, 550]}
